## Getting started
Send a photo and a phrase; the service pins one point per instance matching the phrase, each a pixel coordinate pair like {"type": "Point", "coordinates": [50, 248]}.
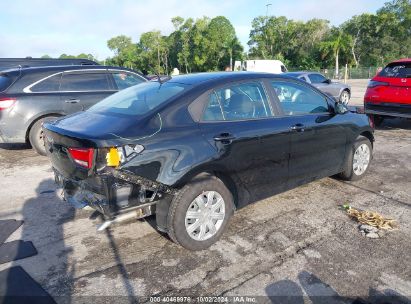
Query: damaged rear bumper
{"type": "Point", "coordinates": [115, 193]}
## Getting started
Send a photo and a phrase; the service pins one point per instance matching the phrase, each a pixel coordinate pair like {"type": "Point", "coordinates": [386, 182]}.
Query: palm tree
{"type": "Point", "coordinates": [337, 42]}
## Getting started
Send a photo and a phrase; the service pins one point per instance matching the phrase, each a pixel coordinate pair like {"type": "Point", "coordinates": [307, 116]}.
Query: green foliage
{"type": "Point", "coordinates": [80, 56]}
{"type": "Point", "coordinates": [294, 42]}
{"type": "Point", "coordinates": [208, 44]}
{"type": "Point", "coordinates": [195, 46]}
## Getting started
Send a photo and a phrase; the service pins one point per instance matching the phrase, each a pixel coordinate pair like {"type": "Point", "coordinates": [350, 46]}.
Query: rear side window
{"type": "Point", "coordinates": [238, 102]}
{"type": "Point", "coordinates": [51, 84]}
{"type": "Point", "coordinates": [124, 80]}
{"type": "Point", "coordinates": [397, 70]}
{"type": "Point", "coordinates": [296, 99]}
{"type": "Point", "coordinates": [5, 81]}
{"type": "Point", "coordinates": [84, 82]}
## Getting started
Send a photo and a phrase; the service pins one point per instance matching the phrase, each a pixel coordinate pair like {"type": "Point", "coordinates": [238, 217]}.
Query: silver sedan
{"type": "Point", "coordinates": [340, 91]}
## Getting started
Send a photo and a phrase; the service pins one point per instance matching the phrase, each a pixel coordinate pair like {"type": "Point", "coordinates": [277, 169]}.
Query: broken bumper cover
{"type": "Point", "coordinates": [114, 193]}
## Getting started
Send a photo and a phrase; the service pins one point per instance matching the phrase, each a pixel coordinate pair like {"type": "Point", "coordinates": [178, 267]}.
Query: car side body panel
{"type": "Point", "coordinates": [179, 146]}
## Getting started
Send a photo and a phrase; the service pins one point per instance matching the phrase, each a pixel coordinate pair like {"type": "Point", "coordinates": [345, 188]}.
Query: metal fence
{"type": "Point", "coordinates": [352, 73]}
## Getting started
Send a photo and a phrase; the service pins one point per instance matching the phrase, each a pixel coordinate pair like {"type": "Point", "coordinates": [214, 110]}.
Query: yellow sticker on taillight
{"type": "Point", "coordinates": [113, 158]}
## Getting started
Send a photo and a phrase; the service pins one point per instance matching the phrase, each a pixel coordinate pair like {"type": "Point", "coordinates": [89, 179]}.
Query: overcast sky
{"type": "Point", "coordinates": [34, 28]}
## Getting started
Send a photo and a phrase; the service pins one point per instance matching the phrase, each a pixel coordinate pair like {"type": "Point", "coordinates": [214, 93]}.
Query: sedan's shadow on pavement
{"type": "Point", "coordinates": [44, 218]}
{"type": "Point", "coordinates": [319, 292]}
{"type": "Point", "coordinates": [15, 146]}
{"type": "Point", "coordinates": [43, 224]}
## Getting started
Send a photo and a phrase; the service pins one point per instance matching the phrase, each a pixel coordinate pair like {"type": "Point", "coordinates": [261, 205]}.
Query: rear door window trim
{"type": "Point", "coordinates": [27, 89]}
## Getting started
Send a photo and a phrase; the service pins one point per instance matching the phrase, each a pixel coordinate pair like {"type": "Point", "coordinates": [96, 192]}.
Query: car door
{"type": "Point", "coordinates": [323, 84]}
{"type": "Point", "coordinates": [79, 90]}
{"type": "Point", "coordinates": [318, 139]}
{"type": "Point", "coordinates": [238, 122]}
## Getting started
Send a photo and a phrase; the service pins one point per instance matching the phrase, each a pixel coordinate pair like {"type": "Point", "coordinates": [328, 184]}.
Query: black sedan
{"type": "Point", "coordinates": [194, 148]}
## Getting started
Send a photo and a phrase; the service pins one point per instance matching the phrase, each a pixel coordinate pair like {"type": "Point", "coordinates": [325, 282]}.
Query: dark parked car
{"type": "Point", "coordinates": [196, 147]}
{"type": "Point", "coordinates": [30, 96]}
{"type": "Point", "coordinates": [389, 93]}
{"type": "Point", "coordinates": [339, 91]}
{"type": "Point", "coordinates": [9, 63]}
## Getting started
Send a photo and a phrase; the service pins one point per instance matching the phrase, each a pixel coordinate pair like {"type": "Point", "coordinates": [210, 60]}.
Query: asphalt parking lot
{"type": "Point", "coordinates": [298, 243]}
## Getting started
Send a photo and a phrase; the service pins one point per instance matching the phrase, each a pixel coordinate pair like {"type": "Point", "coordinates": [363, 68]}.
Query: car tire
{"type": "Point", "coordinates": [358, 160]}
{"type": "Point", "coordinates": [207, 191]}
{"type": "Point", "coordinates": [36, 135]}
{"type": "Point", "coordinates": [344, 97]}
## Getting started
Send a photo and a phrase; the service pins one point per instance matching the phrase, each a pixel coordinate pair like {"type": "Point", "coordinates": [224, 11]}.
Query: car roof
{"type": "Point", "coordinates": [58, 68]}
{"type": "Point", "coordinates": [201, 78]}
{"type": "Point", "coordinates": [402, 60]}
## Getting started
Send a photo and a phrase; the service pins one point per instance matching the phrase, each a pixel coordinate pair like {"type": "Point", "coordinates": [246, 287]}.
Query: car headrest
{"type": "Point", "coordinates": [241, 103]}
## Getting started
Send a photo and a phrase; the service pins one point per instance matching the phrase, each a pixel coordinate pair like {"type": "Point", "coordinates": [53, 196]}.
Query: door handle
{"type": "Point", "coordinates": [224, 138]}
{"type": "Point", "coordinates": [72, 100]}
{"type": "Point", "coordinates": [298, 127]}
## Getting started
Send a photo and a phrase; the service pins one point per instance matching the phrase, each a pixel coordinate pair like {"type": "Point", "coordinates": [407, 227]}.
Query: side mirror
{"type": "Point", "coordinates": [340, 108]}
{"type": "Point", "coordinates": [327, 81]}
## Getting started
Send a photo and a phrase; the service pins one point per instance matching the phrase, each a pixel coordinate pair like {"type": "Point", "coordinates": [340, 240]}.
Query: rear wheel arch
{"type": "Point", "coordinates": [36, 120]}
{"type": "Point", "coordinates": [227, 180]}
{"type": "Point", "coordinates": [230, 184]}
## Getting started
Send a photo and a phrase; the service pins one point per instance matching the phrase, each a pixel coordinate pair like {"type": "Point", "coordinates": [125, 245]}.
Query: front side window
{"type": "Point", "coordinates": [296, 99]}
{"type": "Point", "coordinates": [84, 82]}
{"type": "Point", "coordinates": [139, 100]}
{"type": "Point", "coordinates": [51, 84]}
{"type": "Point", "coordinates": [316, 78]}
{"type": "Point", "coordinates": [238, 102]}
{"type": "Point", "coordinates": [124, 80]}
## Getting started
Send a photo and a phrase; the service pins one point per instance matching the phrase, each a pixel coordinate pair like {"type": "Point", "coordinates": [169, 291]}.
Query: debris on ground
{"type": "Point", "coordinates": [372, 223]}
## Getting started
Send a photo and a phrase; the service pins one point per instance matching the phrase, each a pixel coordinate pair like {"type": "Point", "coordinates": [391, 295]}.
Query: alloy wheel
{"type": "Point", "coordinates": [345, 97]}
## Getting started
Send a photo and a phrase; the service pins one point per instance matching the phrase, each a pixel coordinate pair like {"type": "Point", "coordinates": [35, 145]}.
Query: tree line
{"type": "Point", "coordinates": [207, 44]}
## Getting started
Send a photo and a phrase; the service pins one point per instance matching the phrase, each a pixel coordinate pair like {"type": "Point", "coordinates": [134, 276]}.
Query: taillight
{"type": "Point", "coordinates": [6, 103]}
{"type": "Point", "coordinates": [83, 157]}
{"type": "Point", "coordinates": [373, 84]}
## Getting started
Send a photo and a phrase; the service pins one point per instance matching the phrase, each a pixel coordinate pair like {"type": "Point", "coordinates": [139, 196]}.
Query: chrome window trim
{"type": "Point", "coordinates": [27, 89]}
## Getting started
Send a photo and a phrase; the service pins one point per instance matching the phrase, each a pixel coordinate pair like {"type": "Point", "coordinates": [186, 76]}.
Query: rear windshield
{"type": "Point", "coordinates": [140, 99]}
{"type": "Point", "coordinates": [5, 81]}
{"type": "Point", "coordinates": [397, 70]}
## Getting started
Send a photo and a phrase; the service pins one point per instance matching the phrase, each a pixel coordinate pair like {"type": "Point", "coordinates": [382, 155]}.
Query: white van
{"type": "Point", "coordinates": [268, 66]}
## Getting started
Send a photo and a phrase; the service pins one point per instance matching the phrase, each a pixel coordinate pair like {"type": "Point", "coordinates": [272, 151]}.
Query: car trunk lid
{"type": "Point", "coordinates": [76, 144]}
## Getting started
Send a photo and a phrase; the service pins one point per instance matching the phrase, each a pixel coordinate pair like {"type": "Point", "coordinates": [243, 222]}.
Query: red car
{"type": "Point", "coordinates": [389, 93]}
